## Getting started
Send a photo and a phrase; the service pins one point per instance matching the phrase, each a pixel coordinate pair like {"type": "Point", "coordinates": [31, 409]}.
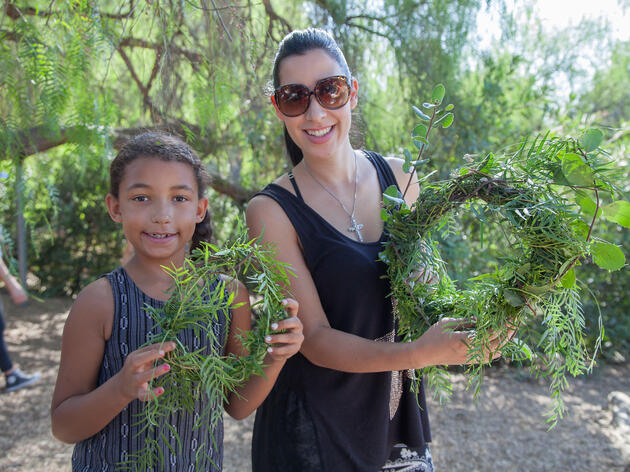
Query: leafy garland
{"type": "Point", "coordinates": [197, 301]}
{"type": "Point", "coordinates": [534, 191]}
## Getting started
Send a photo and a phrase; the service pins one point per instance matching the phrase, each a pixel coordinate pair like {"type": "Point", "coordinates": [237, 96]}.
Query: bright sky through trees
{"type": "Point", "coordinates": [560, 20]}
{"type": "Point", "coordinates": [561, 13]}
{"type": "Point", "coordinates": [558, 14]}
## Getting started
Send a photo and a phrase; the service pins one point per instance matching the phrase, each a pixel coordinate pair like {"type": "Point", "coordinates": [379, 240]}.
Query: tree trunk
{"type": "Point", "coordinates": [21, 227]}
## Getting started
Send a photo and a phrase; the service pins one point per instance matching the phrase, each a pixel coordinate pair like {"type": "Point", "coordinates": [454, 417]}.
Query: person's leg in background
{"type": "Point", "coordinates": [14, 377]}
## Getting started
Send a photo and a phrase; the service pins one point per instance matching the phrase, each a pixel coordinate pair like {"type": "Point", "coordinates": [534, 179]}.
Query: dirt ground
{"type": "Point", "coordinates": [503, 431]}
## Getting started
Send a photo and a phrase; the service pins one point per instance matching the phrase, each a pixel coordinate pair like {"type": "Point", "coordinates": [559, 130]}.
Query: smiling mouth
{"type": "Point", "coordinates": [318, 132]}
{"type": "Point", "coordinates": [160, 235]}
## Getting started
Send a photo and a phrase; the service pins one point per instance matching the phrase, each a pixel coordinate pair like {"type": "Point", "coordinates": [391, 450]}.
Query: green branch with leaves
{"type": "Point", "coordinates": [546, 197]}
{"type": "Point", "coordinates": [199, 301]}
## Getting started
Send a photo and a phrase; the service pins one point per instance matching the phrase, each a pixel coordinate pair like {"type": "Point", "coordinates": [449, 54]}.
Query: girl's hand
{"type": "Point", "coordinates": [286, 344]}
{"type": "Point", "coordinates": [445, 343]}
{"type": "Point", "coordinates": [139, 368]}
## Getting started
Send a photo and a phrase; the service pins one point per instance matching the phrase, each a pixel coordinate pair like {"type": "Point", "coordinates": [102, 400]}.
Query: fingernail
{"type": "Point", "coordinates": [161, 352]}
{"type": "Point", "coordinates": [274, 326]}
{"type": "Point", "coordinates": [166, 367]}
{"type": "Point", "coordinates": [268, 339]}
{"type": "Point", "coordinates": [160, 391]}
{"type": "Point", "coordinates": [284, 302]}
{"type": "Point", "coordinates": [269, 349]}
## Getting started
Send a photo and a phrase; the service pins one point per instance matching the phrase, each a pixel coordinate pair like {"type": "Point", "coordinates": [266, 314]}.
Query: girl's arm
{"type": "Point", "coordinates": [281, 347]}
{"type": "Point", "coordinates": [79, 408]}
{"type": "Point", "coordinates": [334, 349]}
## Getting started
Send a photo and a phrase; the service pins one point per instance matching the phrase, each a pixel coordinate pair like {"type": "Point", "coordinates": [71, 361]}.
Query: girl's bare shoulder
{"type": "Point", "coordinates": [94, 307]}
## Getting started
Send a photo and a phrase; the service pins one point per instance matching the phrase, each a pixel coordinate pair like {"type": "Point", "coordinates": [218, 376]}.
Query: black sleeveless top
{"type": "Point", "coordinates": [318, 419]}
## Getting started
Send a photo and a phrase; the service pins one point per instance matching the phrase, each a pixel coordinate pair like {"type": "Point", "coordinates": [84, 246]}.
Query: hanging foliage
{"type": "Point", "coordinates": [546, 197]}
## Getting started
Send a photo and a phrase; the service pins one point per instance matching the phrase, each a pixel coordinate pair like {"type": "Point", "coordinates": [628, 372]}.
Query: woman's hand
{"type": "Point", "coordinates": [287, 343]}
{"type": "Point", "coordinates": [447, 343]}
{"type": "Point", "coordinates": [140, 368]}
{"type": "Point", "coordinates": [423, 275]}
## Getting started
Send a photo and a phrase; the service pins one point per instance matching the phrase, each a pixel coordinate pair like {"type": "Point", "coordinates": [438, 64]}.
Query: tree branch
{"type": "Point", "coordinates": [273, 16]}
{"type": "Point", "coordinates": [156, 115]}
{"type": "Point", "coordinates": [154, 71]}
{"type": "Point", "coordinates": [369, 30]}
{"type": "Point", "coordinates": [216, 10]}
{"type": "Point", "coordinates": [370, 17]}
{"type": "Point", "coordinates": [141, 43]}
{"type": "Point", "coordinates": [37, 139]}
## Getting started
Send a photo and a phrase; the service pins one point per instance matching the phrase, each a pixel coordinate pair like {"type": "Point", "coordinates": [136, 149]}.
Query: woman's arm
{"type": "Point", "coordinates": [334, 349]}
{"type": "Point", "coordinates": [79, 408]}
{"type": "Point", "coordinates": [282, 346]}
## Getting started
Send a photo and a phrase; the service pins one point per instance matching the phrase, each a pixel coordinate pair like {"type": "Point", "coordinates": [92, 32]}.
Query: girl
{"type": "Point", "coordinates": [344, 403]}
{"type": "Point", "coordinates": [156, 193]}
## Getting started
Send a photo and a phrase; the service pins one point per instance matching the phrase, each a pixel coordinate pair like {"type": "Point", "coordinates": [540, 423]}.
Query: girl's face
{"type": "Point", "coordinates": [158, 207]}
{"type": "Point", "coordinates": [319, 132]}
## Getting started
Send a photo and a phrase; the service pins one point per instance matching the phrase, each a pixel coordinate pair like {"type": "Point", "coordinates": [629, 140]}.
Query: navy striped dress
{"type": "Point", "coordinates": [113, 447]}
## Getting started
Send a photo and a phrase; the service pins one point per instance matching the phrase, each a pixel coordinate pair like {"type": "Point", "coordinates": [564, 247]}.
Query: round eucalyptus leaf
{"type": "Point", "coordinates": [420, 113]}
{"type": "Point", "coordinates": [591, 139]}
{"type": "Point", "coordinates": [618, 212]}
{"type": "Point", "coordinates": [438, 93]}
{"type": "Point", "coordinates": [608, 256]}
{"type": "Point", "coordinates": [420, 130]}
{"type": "Point", "coordinates": [576, 171]}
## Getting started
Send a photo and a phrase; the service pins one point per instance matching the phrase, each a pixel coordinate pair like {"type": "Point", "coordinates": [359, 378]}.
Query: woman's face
{"type": "Point", "coordinates": [319, 132]}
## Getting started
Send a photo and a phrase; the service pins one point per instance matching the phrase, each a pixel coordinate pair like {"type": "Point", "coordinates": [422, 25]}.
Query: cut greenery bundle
{"type": "Point", "coordinates": [547, 197]}
{"type": "Point", "coordinates": [198, 301]}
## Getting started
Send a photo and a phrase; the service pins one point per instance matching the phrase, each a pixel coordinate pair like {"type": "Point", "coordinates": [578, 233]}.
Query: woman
{"type": "Point", "coordinates": [344, 403]}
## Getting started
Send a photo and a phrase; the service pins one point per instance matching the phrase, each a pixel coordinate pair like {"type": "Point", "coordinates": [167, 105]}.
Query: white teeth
{"type": "Point", "coordinates": [159, 236]}
{"type": "Point", "coordinates": [319, 132]}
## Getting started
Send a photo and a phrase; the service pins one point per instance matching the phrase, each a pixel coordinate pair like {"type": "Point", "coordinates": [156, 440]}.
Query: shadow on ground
{"type": "Point", "coordinates": [504, 431]}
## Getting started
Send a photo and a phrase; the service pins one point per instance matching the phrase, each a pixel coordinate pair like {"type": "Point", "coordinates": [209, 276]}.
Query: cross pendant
{"type": "Point", "coordinates": [356, 227]}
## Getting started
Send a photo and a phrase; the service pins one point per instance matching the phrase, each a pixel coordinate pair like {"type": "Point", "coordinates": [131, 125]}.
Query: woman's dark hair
{"type": "Point", "coordinates": [165, 147]}
{"type": "Point", "coordinates": [298, 43]}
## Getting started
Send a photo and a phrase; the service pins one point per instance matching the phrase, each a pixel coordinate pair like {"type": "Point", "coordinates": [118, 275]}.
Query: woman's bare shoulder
{"type": "Point", "coordinates": [262, 204]}
{"type": "Point", "coordinates": [402, 178]}
{"type": "Point", "coordinates": [396, 164]}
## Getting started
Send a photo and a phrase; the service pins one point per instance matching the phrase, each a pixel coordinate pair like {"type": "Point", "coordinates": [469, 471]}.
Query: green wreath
{"type": "Point", "coordinates": [192, 305]}
{"type": "Point", "coordinates": [534, 192]}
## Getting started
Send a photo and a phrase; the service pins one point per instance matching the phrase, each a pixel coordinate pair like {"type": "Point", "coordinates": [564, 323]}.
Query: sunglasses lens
{"type": "Point", "coordinates": [292, 100]}
{"type": "Point", "coordinates": [332, 92]}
